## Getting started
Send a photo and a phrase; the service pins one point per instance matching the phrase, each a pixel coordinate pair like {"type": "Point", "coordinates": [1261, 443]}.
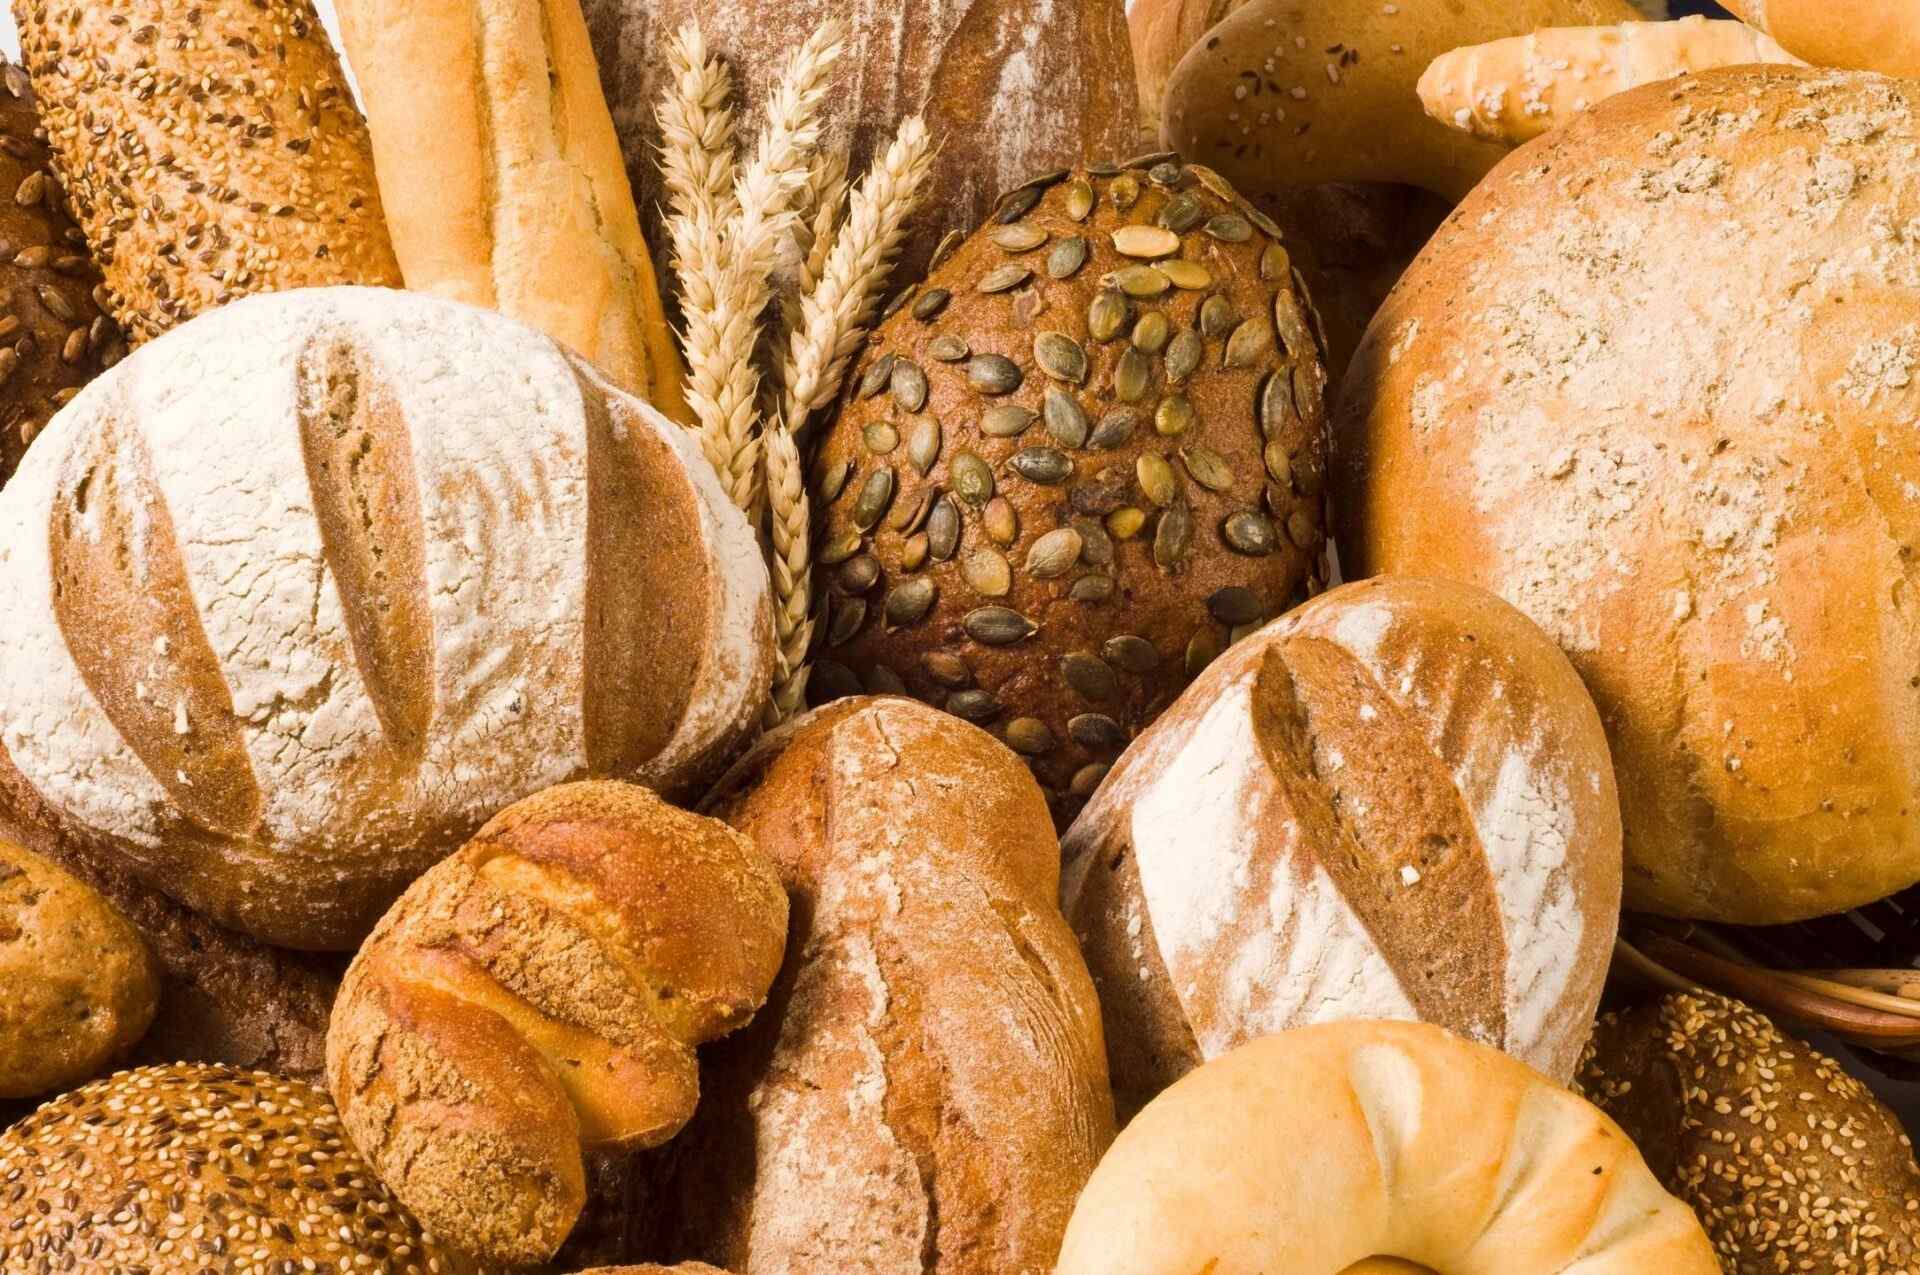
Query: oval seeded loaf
{"type": "Point", "coordinates": [1394, 803]}
{"type": "Point", "coordinates": [300, 595]}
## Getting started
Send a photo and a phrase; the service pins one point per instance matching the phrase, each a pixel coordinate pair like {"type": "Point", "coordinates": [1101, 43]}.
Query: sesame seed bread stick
{"type": "Point", "coordinates": [210, 150]}
{"type": "Point", "coordinates": [1864, 35]}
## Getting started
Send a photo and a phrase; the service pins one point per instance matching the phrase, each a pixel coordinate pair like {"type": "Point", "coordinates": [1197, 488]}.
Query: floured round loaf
{"type": "Point", "coordinates": [301, 594]}
{"type": "Point", "coordinates": [1655, 385]}
{"type": "Point", "coordinates": [1395, 803]}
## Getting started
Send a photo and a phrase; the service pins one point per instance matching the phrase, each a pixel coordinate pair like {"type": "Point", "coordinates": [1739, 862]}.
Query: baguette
{"type": "Point", "coordinates": [503, 177]}
{"type": "Point", "coordinates": [1862, 35]}
{"type": "Point", "coordinates": [211, 150]}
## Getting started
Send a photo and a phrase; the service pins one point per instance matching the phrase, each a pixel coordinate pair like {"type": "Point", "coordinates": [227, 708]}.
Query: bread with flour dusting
{"type": "Point", "coordinates": [302, 594]}
{"type": "Point", "coordinates": [1393, 803]}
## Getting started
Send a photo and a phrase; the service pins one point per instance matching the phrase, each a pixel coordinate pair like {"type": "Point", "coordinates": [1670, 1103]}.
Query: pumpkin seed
{"type": "Point", "coordinates": [1235, 604]}
{"type": "Point", "coordinates": [1221, 188]}
{"type": "Point", "coordinates": [948, 349]}
{"type": "Point", "coordinates": [1066, 419]}
{"type": "Point", "coordinates": [1308, 475]}
{"type": "Point", "coordinates": [857, 575]}
{"type": "Point", "coordinates": [1092, 589]}
{"type": "Point", "coordinates": [1018, 204]}
{"type": "Point", "coordinates": [993, 374]}
{"type": "Point", "coordinates": [882, 680]}
{"type": "Point", "coordinates": [1104, 168]}
{"type": "Point", "coordinates": [831, 681]}
{"type": "Point", "coordinates": [1184, 355]}
{"type": "Point", "coordinates": [1096, 546]}
{"type": "Point", "coordinates": [1250, 533]}
{"type": "Point", "coordinates": [1089, 676]}
{"type": "Point", "coordinates": [1182, 213]}
{"type": "Point", "coordinates": [906, 518]}
{"type": "Point", "coordinates": [1047, 180]}
{"type": "Point", "coordinates": [1175, 416]}
{"type": "Point", "coordinates": [1240, 633]}
{"type": "Point", "coordinates": [909, 603]}
{"type": "Point", "coordinates": [1303, 529]}
{"type": "Point", "coordinates": [1131, 375]}
{"type": "Point", "coordinates": [1146, 242]}
{"type": "Point", "coordinates": [1229, 228]}
{"type": "Point", "coordinates": [998, 626]}
{"type": "Point", "coordinates": [834, 481]}
{"type": "Point", "coordinates": [987, 573]}
{"type": "Point", "coordinates": [930, 303]}
{"type": "Point", "coordinates": [1217, 318]}
{"type": "Point", "coordinates": [878, 375]}
{"type": "Point", "coordinates": [1003, 279]}
{"type": "Point", "coordinates": [1208, 468]}
{"type": "Point", "coordinates": [1097, 731]}
{"type": "Point", "coordinates": [1108, 490]}
{"type": "Point", "coordinates": [1279, 464]}
{"type": "Point", "coordinates": [1009, 420]}
{"type": "Point", "coordinates": [1203, 649]}
{"type": "Point", "coordinates": [1157, 479]}
{"type": "Point", "coordinates": [1152, 332]}
{"type": "Point", "coordinates": [1291, 321]}
{"type": "Point", "coordinates": [1067, 257]}
{"type": "Point", "coordinates": [1088, 779]}
{"type": "Point", "coordinates": [1001, 522]}
{"type": "Point", "coordinates": [849, 615]}
{"type": "Point", "coordinates": [1308, 395]}
{"type": "Point", "coordinates": [1251, 342]}
{"type": "Point", "coordinates": [1167, 172]}
{"type": "Point", "coordinates": [875, 496]}
{"type": "Point", "coordinates": [1275, 264]}
{"type": "Point", "coordinates": [1115, 428]}
{"type": "Point", "coordinates": [1079, 200]}
{"type": "Point", "coordinates": [943, 529]}
{"type": "Point", "coordinates": [1265, 224]}
{"type": "Point", "coordinates": [880, 438]}
{"type": "Point", "coordinates": [944, 249]}
{"type": "Point", "coordinates": [1279, 503]}
{"type": "Point", "coordinates": [897, 304]}
{"type": "Point", "coordinates": [1152, 158]}
{"type": "Point", "coordinates": [1043, 465]}
{"type": "Point", "coordinates": [1060, 357]}
{"type": "Point", "coordinates": [840, 548]}
{"type": "Point", "coordinates": [1020, 237]}
{"type": "Point", "coordinates": [973, 706]}
{"type": "Point", "coordinates": [1173, 538]}
{"type": "Point", "coordinates": [923, 444]}
{"type": "Point", "coordinates": [947, 669]}
{"type": "Point", "coordinates": [1276, 403]}
{"type": "Point", "coordinates": [1125, 191]}
{"type": "Point", "coordinates": [1189, 276]}
{"type": "Point", "coordinates": [1125, 524]}
{"type": "Point", "coordinates": [1142, 282]}
{"type": "Point", "coordinates": [1029, 737]}
{"type": "Point", "coordinates": [1107, 314]}
{"type": "Point", "coordinates": [1134, 654]}
{"type": "Point", "coordinates": [1054, 554]}
{"type": "Point", "coordinates": [913, 551]}
{"type": "Point", "coordinates": [972, 478]}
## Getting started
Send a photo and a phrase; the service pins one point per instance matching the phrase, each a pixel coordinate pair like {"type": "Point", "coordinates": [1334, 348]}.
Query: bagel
{"type": "Point", "coordinates": [1316, 1149]}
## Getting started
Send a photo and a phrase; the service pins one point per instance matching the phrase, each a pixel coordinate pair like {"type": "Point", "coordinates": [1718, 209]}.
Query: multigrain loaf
{"type": "Point", "coordinates": [302, 595]}
{"type": "Point", "coordinates": [1365, 1146]}
{"type": "Point", "coordinates": [926, 1090]}
{"type": "Point", "coordinates": [1009, 88]}
{"type": "Point", "coordinates": [1653, 384]}
{"type": "Point", "coordinates": [1396, 802]}
{"type": "Point", "coordinates": [1790, 1163]}
{"type": "Point", "coordinates": [211, 150]}
{"type": "Point", "coordinates": [540, 993]}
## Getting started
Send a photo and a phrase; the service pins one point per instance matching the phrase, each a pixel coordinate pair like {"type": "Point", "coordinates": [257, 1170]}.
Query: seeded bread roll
{"type": "Point", "coordinates": [302, 594]}
{"type": "Point", "coordinates": [685, 1268]}
{"type": "Point", "coordinates": [541, 992]}
{"type": "Point", "coordinates": [926, 1090]}
{"type": "Point", "coordinates": [1086, 453]}
{"type": "Point", "coordinates": [211, 149]}
{"type": "Point", "coordinates": [192, 1169]}
{"type": "Point", "coordinates": [1791, 1163]}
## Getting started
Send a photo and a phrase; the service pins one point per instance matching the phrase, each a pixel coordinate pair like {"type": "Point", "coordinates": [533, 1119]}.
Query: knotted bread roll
{"type": "Point", "coordinates": [1313, 1150]}
{"type": "Point", "coordinates": [541, 992]}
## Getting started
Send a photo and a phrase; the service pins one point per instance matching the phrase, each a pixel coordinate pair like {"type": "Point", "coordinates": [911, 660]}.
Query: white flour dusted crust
{"type": "Point", "coordinates": [1395, 802]}
{"type": "Point", "coordinates": [302, 594]}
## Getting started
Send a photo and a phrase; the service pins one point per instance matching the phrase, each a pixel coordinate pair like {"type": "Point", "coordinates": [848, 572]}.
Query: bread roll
{"type": "Point", "coordinates": [192, 1169]}
{"type": "Point", "coordinates": [1396, 802]}
{"type": "Point", "coordinates": [306, 593]}
{"type": "Point", "coordinates": [926, 1090]}
{"type": "Point", "coordinates": [1310, 1151]}
{"type": "Point", "coordinates": [1791, 1164]}
{"type": "Point", "coordinates": [1870, 35]}
{"type": "Point", "coordinates": [503, 179]}
{"type": "Point", "coordinates": [1009, 88]}
{"type": "Point", "coordinates": [541, 992]}
{"type": "Point", "coordinates": [212, 150]}
{"type": "Point", "coordinates": [1088, 451]}
{"type": "Point", "coordinates": [76, 984]}
{"type": "Point", "coordinates": [1653, 385]}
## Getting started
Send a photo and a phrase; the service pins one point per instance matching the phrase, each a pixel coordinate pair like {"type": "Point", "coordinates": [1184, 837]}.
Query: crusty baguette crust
{"type": "Point", "coordinates": [1866, 35]}
{"type": "Point", "coordinates": [211, 150]}
{"type": "Point", "coordinates": [503, 179]}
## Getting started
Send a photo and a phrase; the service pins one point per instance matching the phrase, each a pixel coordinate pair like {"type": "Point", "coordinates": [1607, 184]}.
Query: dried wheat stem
{"type": "Point", "coordinates": [789, 532]}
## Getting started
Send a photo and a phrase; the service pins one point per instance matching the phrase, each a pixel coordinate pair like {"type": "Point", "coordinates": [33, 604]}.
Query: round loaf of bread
{"type": "Point", "coordinates": [76, 984]}
{"type": "Point", "coordinates": [541, 992]}
{"type": "Point", "coordinates": [1395, 802]}
{"type": "Point", "coordinates": [1655, 385]}
{"type": "Point", "coordinates": [195, 1169]}
{"type": "Point", "coordinates": [301, 594]}
{"type": "Point", "coordinates": [1791, 1163]}
{"type": "Point", "coordinates": [1312, 1151]}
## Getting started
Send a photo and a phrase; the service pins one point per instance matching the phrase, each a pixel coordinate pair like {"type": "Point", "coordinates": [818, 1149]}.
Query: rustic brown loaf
{"type": "Point", "coordinates": [1653, 385]}
{"type": "Point", "coordinates": [1009, 87]}
{"type": "Point", "coordinates": [541, 992]}
{"type": "Point", "coordinates": [53, 337]}
{"type": "Point", "coordinates": [192, 1169]}
{"type": "Point", "coordinates": [300, 597]}
{"type": "Point", "coordinates": [926, 1090]}
{"type": "Point", "coordinates": [1791, 1164]}
{"type": "Point", "coordinates": [211, 150]}
{"type": "Point", "coordinates": [1396, 802]}
{"type": "Point", "coordinates": [77, 986]}
{"type": "Point", "coordinates": [1047, 505]}
{"type": "Point", "coordinates": [503, 180]}
{"type": "Point", "coordinates": [1321, 1150]}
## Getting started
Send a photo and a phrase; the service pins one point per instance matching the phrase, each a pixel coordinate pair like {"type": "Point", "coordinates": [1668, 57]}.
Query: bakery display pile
{"type": "Point", "coordinates": [995, 637]}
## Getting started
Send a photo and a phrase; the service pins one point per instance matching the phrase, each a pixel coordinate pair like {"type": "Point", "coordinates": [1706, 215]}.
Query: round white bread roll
{"type": "Point", "coordinates": [1316, 1149]}
{"type": "Point", "coordinates": [305, 591]}
{"type": "Point", "coordinates": [1655, 384]}
{"type": "Point", "coordinates": [1394, 802]}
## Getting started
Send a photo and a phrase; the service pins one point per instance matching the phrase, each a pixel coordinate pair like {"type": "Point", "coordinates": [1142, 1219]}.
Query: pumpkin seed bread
{"type": "Point", "coordinates": [1077, 463]}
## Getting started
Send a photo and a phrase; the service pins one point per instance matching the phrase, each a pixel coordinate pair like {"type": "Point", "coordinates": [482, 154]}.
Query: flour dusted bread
{"type": "Point", "coordinates": [1654, 385]}
{"type": "Point", "coordinates": [303, 594]}
{"type": "Point", "coordinates": [1395, 802]}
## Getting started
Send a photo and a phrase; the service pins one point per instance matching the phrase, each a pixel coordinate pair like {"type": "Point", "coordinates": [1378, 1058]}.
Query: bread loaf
{"type": "Point", "coordinates": [1653, 385]}
{"type": "Point", "coordinates": [926, 1089]}
{"type": "Point", "coordinates": [1790, 1163]}
{"type": "Point", "coordinates": [541, 992]}
{"type": "Point", "coordinates": [1009, 87]}
{"type": "Point", "coordinates": [1315, 1150]}
{"type": "Point", "coordinates": [192, 1169]}
{"type": "Point", "coordinates": [503, 180]}
{"type": "Point", "coordinates": [307, 592]}
{"type": "Point", "coordinates": [53, 337]}
{"type": "Point", "coordinates": [1085, 454]}
{"type": "Point", "coordinates": [1395, 802]}
{"type": "Point", "coordinates": [212, 150]}
{"type": "Point", "coordinates": [1869, 35]}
